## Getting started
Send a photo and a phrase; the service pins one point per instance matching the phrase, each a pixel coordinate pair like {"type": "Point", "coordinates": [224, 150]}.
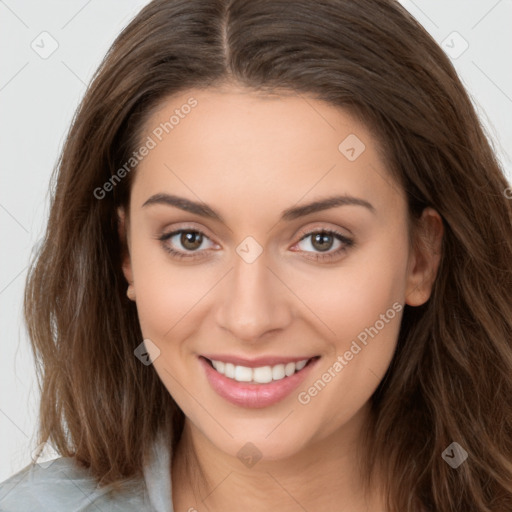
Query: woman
{"type": "Point", "coordinates": [276, 274]}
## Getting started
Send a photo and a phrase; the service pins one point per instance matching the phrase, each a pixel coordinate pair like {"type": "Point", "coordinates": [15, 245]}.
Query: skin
{"type": "Point", "coordinates": [250, 157]}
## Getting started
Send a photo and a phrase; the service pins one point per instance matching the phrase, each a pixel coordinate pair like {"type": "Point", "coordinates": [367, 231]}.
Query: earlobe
{"type": "Point", "coordinates": [122, 229]}
{"type": "Point", "coordinates": [425, 258]}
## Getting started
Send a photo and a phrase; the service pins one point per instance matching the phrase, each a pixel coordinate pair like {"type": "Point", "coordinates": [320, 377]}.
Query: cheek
{"type": "Point", "coordinates": [168, 299]}
{"type": "Point", "coordinates": [349, 298]}
{"type": "Point", "coordinates": [167, 295]}
{"type": "Point", "coordinates": [364, 309]}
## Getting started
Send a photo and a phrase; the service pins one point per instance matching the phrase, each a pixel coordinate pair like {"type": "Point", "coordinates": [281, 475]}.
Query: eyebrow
{"type": "Point", "coordinates": [289, 214]}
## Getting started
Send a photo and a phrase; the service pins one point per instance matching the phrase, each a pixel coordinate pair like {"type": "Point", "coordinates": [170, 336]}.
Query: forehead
{"type": "Point", "coordinates": [251, 147]}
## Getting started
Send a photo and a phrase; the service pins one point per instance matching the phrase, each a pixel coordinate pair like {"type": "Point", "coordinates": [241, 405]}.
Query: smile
{"type": "Point", "coordinates": [255, 384]}
{"type": "Point", "coordinates": [259, 375]}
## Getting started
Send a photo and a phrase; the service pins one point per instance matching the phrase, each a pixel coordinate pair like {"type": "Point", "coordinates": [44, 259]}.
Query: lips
{"type": "Point", "coordinates": [255, 383]}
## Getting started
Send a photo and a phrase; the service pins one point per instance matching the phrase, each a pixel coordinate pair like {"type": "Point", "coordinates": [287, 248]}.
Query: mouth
{"type": "Point", "coordinates": [254, 384]}
{"type": "Point", "coordinates": [262, 374]}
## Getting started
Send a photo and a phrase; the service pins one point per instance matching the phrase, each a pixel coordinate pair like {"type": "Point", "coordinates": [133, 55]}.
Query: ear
{"type": "Point", "coordinates": [123, 231]}
{"type": "Point", "coordinates": [425, 258]}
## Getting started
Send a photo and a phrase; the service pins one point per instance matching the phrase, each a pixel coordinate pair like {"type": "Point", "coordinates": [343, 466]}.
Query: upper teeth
{"type": "Point", "coordinates": [260, 375]}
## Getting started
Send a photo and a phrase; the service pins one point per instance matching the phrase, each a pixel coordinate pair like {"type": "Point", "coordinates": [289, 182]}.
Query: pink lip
{"type": "Point", "coordinates": [255, 363]}
{"type": "Point", "coordinates": [254, 395]}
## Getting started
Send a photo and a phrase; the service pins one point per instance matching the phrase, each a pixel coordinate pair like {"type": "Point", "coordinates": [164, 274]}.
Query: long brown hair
{"type": "Point", "coordinates": [451, 376]}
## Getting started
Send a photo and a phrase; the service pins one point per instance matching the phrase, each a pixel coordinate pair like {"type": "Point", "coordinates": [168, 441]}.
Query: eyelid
{"type": "Point", "coordinates": [322, 227]}
{"type": "Point", "coordinates": [165, 232]}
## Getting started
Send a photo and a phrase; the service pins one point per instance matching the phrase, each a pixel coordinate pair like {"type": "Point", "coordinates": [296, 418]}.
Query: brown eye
{"type": "Point", "coordinates": [322, 241]}
{"type": "Point", "coordinates": [191, 240]}
{"type": "Point", "coordinates": [184, 243]}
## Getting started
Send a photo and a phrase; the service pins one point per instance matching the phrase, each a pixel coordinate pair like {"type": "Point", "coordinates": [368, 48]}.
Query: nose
{"type": "Point", "coordinates": [254, 301]}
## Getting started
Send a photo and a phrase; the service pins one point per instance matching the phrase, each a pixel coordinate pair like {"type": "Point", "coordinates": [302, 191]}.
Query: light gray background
{"type": "Point", "coordinates": [38, 97]}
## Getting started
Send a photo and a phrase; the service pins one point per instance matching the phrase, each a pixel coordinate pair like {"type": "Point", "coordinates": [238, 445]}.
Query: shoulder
{"type": "Point", "coordinates": [62, 485]}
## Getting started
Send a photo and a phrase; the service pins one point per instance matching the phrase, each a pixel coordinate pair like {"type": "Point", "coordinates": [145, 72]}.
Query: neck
{"type": "Point", "coordinates": [325, 475]}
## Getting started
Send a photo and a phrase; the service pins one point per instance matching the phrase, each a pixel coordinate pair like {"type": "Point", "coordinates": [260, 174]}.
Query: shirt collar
{"type": "Point", "coordinates": [157, 476]}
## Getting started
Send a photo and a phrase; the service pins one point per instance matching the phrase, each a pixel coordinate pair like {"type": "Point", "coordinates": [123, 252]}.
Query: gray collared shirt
{"type": "Point", "coordinates": [63, 486]}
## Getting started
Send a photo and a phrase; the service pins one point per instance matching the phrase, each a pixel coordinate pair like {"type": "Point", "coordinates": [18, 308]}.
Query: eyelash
{"type": "Point", "coordinates": [323, 257]}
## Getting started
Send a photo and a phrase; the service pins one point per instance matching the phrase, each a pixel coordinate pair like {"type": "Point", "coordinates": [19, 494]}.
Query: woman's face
{"type": "Point", "coordinates": [259, 282]}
